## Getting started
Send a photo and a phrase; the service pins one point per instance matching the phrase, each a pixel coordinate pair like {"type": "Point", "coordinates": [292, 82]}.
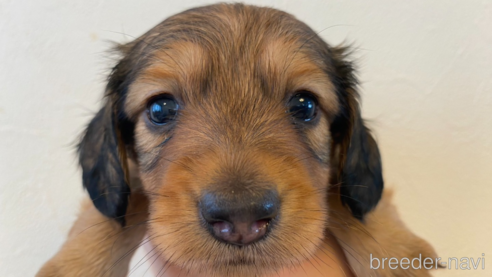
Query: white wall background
{"type": "Point", "coordinates": [426, 68]}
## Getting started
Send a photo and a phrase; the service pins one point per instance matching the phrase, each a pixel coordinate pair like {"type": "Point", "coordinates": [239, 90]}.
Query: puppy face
{"type": "Point", "coordinates": [238, 118]}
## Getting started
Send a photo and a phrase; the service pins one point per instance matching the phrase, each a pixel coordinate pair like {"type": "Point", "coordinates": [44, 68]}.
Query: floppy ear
{"type": "Point", "coordinates": [361, 176]}
{"type": "Point", "coordinates": [358, 159]}
{"type": "Point", "coordinates": [102, 157]}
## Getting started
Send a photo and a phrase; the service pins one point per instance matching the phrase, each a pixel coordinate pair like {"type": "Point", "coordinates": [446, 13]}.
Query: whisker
{"type": "Point", "coordinates": [126, 255]}
{"type": "Point", "coordinates": [142, 261]}
{"type": "Point", "coordinates": [110, 219]}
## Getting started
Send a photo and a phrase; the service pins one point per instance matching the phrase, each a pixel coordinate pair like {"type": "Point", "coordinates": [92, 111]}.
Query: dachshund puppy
{"type": "Point", "coordinates": [232, 136]}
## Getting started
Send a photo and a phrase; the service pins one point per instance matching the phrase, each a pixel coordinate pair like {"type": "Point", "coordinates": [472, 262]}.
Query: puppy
{"type": "Point", "coordinates": [232, 136]}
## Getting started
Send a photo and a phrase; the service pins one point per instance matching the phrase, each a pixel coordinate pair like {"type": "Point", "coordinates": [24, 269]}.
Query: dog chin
{"type": "Point", "coordinates": [231, 268]}
{"type": "Point", "coordinates": [327, 258]}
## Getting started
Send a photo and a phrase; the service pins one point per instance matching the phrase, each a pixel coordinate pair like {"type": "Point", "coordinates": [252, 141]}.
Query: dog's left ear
{"type": "Point", "coordinates": [355, 153]}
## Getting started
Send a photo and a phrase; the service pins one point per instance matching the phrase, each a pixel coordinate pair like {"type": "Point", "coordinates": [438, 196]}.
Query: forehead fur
{"type": "Point", "coordinates": [229, 51]}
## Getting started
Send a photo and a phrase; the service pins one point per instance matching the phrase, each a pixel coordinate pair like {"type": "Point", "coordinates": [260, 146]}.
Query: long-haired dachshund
{"type": "Point", "coordinates": [231, 138]}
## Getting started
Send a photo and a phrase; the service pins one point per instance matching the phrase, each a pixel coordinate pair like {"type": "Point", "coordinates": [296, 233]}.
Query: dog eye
{"type": "Point", "coordinates": [162, 110]}
{"type": "Point", "coordinates": [303, 106]}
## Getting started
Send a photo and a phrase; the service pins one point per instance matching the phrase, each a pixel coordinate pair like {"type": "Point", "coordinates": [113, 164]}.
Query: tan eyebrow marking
{"type": "Point", "coordinates": [172, 70]}
{"type": "Point", "coordinates": [282, 59]}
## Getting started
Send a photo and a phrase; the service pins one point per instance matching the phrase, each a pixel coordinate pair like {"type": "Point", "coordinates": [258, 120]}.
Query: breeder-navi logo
{"type": "Point", "coordinates": [464, 263]}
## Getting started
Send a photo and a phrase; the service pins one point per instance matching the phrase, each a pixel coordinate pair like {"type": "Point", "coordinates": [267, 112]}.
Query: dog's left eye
{"type": "Point", "coordinates": [303, 106]}
{"type": "Point", "coordinates": [162, 110]}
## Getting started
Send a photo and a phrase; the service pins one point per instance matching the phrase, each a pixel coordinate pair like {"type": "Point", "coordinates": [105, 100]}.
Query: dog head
{"type": "Point", "coordinates": [240, 120]}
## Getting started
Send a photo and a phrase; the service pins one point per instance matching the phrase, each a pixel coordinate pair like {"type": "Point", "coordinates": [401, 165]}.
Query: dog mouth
{"type": "Point", "coordinates": [235, 246]}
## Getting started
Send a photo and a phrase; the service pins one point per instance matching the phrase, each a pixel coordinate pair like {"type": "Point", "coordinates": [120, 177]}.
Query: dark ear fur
{"type": "Point", "coordinates": [362, 180]}
{"type": "Point", "coordinates": [358, 159]}
{"type": "Point", "coordinates": [102, 150]}
{"type": "Point", "coordinates": [103, 161]}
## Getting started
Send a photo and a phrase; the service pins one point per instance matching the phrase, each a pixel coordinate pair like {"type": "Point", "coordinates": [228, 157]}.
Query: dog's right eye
{"type": "Point", "coordinates": [162, 110]}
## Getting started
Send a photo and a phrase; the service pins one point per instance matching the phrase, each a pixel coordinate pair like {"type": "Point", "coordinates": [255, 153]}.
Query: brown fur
{"type": "Point", "coordinates": [383, 235]}
{"type": "Point", "coordinates": [97, 246]}
{"type": "Point", "coordinates": [232, 68]}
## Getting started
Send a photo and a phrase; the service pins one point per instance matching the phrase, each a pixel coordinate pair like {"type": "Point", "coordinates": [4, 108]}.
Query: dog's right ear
{"type": "Point", "coordinates": [102, 157]}
{"type": "Point", "coordinates": [103, 148]}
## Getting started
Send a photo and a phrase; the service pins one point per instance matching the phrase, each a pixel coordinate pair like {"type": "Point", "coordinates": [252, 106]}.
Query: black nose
{"type": "Point", "coordinates": [240, 218]}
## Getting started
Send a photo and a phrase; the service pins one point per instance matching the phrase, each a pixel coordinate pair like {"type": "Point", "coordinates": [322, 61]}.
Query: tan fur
{"type": "Point", "coordinates": [383, 234]}
{"type": "Point", "coordinates": [98, 246]}
{"type": "Point", "coordinates": [232, 68]}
